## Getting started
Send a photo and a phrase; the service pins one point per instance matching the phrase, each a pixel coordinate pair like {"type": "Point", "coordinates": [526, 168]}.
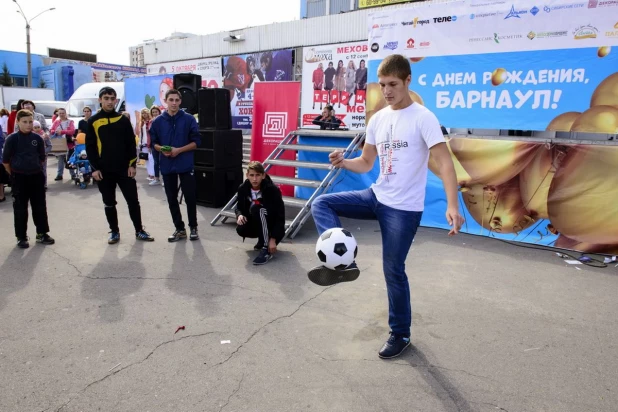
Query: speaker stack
{"type": "Point", "coordinates": [218, 160]}
{"type": "Point", "coordinates": [188, 85]}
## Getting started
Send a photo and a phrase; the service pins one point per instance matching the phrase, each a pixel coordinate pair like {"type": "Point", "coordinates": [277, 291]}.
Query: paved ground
{"type": "Point", "coordinates": [89, 327]}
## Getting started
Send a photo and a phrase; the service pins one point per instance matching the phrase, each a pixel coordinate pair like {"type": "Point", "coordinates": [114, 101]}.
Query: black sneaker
{"type": "Point", "coordinates": [259, 245]}
{"type": "Point", "coordinates": [23, 243]}
{"type": "Point", "coordinates": [114, 238]}
{"type": "Point", "coordinates": [58, 178]}
{"type": "Point", "coordinates": [143, 235]}
{"type": "Point", "coordinates": [44, 239]}
{"type": "Point", "coordinates": [394, 346]}
{"type": "Point", "coordinates": [194, 235]}
{"type": "Point", "coordinates": [177, 235]}
{"type": "Point", "coordinates": [324, 276]}
{"type": "Point", "coordinates": [263, 257]}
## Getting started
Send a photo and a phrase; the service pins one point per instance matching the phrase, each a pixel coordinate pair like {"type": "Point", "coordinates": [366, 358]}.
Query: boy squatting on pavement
{"type": "Point", "coordinates": [260, 212]}
{"type": "Point", "coordinates": [400, 136]}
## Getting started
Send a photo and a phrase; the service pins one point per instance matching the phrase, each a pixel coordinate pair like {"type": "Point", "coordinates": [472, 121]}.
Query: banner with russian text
{"type": "Point", "coordinates": [275, 115]}
{"type": "Point", "coordinates": [558, 195]}
{"type": "Point", "coordinates": [209, 68]}
{"type": "Point", "coordinates": [363, 4]}
{"type": "Point", "coordinates": [242, 73]}
{"type": "Point", "coordinates": [335, 74]}
{"type": "Point", "coordinates": [506, 65]}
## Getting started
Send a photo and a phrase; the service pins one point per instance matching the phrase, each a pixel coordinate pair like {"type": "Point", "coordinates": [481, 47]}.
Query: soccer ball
{"type": "Point", "coordinates": [336, 248]}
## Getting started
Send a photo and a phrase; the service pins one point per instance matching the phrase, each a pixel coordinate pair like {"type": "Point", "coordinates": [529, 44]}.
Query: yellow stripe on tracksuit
{"type": "Point", "coordinates": [104, 122]}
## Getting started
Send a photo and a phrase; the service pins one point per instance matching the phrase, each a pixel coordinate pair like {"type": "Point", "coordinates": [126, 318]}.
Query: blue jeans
{"type": "Point", "coordinates": [398, 228]}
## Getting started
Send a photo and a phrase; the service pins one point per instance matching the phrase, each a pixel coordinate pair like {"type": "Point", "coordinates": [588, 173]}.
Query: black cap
{"type": "Point", "coordinates": [107, 90]}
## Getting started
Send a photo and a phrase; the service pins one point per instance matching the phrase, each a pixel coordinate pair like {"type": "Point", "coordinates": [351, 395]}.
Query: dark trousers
{"type": "Point", "coordinates": [187, 184]}
{"type": "Point", "coordinates": [128, 187]}
{"type": "Point", "coordinates": [256, 226]}
{"type": "Point", "coordinates": [29, 189]}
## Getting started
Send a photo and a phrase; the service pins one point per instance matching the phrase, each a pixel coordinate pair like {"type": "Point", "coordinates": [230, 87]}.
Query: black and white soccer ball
{"type": "Point", "coordinates": [336, 248]}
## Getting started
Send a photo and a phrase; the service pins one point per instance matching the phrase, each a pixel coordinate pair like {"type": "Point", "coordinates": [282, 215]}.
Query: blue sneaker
{"type": "Point", "coordinates": [114, 238]}
{"type": "Point", "coordinates": [143, 235]}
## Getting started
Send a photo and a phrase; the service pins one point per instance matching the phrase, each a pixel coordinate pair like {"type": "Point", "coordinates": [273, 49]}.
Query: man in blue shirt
{"type": "Point", "coordinates": [175, 135]}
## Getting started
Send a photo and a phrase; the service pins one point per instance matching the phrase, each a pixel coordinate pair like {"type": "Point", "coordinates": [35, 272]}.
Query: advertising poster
{"type": "Point", "coordinates": [102, 72]}
{"type": "Point", "coordinates": [275, 116]}
{"type": "Point", "coordinates": [498, 65]}
{"type": "Point", "coordinates": [551, 195]}
{"type": "Point", "coordinates": [242, 72]}
{"type": "Point", "coordinates": [506, 66]}
{"type": "Point", "coordinates": [335, 75]}
{"type": "Point", "coordinates": [145, 92]}
{"type": "Point", "coordinates": [208, 68]}
{"type": "Point", "coordinates": [363, 4]}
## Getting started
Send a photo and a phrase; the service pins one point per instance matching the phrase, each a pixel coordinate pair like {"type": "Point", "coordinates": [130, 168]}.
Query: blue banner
{"type": "Point", "coordinates": [528, 90]}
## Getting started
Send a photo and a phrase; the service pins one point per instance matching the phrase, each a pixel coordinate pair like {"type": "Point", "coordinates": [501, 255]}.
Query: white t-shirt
{"type": "Point", "coordinates": [403, 139]}
{"type": "Point", "coordinates": [255, 195]}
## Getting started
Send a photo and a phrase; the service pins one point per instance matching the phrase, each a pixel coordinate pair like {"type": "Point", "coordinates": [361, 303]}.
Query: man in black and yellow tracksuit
{"type": "Point", "coordinates": [111, 149]}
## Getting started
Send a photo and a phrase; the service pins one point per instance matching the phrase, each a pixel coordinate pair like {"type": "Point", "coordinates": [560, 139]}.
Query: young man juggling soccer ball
{"type": "Point", "coordinates": [400, 136]}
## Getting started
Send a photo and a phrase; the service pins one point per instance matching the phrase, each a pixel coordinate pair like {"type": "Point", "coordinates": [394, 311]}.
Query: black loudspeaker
{"type": "Point", "coordinates": [214, 109]}
{"type": "Point", "coordinates": [215, 187]}
{"type": "Point", "coordinates": [188, 84]}
{"type": "Point", "coordinates": [221, 149]}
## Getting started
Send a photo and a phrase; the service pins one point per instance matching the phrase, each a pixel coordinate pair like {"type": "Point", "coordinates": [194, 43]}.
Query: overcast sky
{"type": "Point", "coordinates": [109, 28]}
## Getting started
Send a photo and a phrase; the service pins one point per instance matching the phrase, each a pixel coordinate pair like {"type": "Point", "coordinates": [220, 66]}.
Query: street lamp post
{"type": "Point", "coordinates": [29, 59]}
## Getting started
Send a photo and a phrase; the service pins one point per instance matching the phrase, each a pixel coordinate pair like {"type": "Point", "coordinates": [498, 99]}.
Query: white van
{"type": "Point", "coordinates": [88, 95]}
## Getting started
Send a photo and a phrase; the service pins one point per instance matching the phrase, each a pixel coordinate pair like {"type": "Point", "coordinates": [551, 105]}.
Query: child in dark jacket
{"type": "Point", "coordinates": [260, 212]}
{"type": "Point", "coordinates": [23, 159]}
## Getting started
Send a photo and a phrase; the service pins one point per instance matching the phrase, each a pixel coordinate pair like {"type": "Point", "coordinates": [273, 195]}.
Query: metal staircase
{"type": "Point", "coordinates": [290, 142]}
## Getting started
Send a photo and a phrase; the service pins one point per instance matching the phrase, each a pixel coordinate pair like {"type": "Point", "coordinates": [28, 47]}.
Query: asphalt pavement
{"type": "Point", "coordinates": [87, 326]}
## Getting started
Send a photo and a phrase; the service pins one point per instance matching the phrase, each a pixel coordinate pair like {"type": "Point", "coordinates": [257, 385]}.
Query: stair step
{"type": "Point", "coordinates": [294, 201]}
{"type": "Point", "coordinates": [292, 181]}
{"type": "Point", "coordinates": [310, 148]}
{"type": "Point", "coordinates": [228, 213]}
{"type": "Point", "coordinates": [298, 163]}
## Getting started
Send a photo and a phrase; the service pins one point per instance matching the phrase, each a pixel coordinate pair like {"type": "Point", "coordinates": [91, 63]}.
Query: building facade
{"type": "Point", "coordinates": [17, 64]}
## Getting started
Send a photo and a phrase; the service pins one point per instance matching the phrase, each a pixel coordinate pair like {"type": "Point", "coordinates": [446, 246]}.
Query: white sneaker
{"type": "Point", "coordinates": [154, 183]}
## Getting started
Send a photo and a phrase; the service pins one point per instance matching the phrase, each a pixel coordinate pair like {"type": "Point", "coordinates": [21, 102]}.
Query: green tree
{"type": "Point", "coordinates": [42, 84]}
{"type": "Point", "coordinates": [5, 77]}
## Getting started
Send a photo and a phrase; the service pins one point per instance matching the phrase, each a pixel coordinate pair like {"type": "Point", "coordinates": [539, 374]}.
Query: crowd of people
{"type": "Point", "coordinates": [105, 148]}
{"type": "Point", "coordinates": [401, 136]}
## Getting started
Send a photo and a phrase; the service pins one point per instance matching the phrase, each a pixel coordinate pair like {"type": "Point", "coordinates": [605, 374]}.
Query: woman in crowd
{"type": "Point", "coordinates": [30, 106]}
{"type": "Point", "coordinates": [82, 126]}
{"type": "Point", "coordinates": [154, 155]}
{"type": "Point", "coordinates": [38, 129]}
{"type": "Point", "coordinates": [13, 118]}
{"type": "Point", "coordinates": [64, 127]}
{"type": "Point", "coordinates": [143, 133]}
{"type": "Point", "coordinates": [4, 121]}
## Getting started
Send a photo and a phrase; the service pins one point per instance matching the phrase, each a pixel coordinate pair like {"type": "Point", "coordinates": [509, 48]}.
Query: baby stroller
{"type": "Point", "coordinates": [83, 170]}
